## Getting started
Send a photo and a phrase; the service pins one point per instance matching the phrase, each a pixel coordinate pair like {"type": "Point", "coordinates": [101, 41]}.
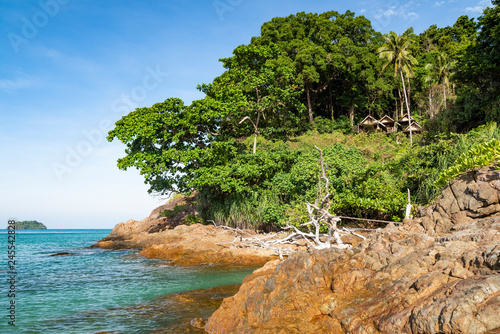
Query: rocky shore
{"type": "Point", "coordinates": [439, 273]}
{"type": "Point", "coordinates": [170, 239]}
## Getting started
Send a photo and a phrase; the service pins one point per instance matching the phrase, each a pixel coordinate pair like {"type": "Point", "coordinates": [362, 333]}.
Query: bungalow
{"type": "Point", "coordinates": [389, 123]}
{"type": "Point", "coordinates": [415, 128]}
{"type": "Point", "coordinates": [370, 124]}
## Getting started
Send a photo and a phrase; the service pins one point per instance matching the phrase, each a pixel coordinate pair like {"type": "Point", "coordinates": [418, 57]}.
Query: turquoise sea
{"type": "Point", "coordinates": [93, 290]}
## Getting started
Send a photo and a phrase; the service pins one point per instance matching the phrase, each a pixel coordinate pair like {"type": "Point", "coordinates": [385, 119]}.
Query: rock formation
{"type": "Point", "coordinates": [170, 239]}
{"type": "Point", "coordinates": [437, 274]}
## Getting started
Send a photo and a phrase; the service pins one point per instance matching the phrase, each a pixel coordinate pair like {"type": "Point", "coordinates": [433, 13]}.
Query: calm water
{"type": "Point", "coordinates": [92, 290]}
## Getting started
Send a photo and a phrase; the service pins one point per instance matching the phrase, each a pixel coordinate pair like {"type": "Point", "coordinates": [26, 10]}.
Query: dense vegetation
{"type": "Point", "coordinates": [30, 225]}
{"type": "Point", "coordinates": [247, 147]}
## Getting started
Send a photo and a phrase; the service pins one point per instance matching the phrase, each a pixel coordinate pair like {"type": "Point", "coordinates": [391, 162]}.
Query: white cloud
{"type": "Point", "coordinates": [439, 4]}
{"type": "Point", "coordinates": [362, 11]}
{"type": "Point", "coordinates": [476, 9]}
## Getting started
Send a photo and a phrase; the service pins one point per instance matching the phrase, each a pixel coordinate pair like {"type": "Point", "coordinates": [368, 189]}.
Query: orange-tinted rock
{"type": "Point", "coordinates": [183, 245]}
{"type": "Point", "coordinates": [438, 274]}
{"type": "Point", "coordinates": [199, 244]}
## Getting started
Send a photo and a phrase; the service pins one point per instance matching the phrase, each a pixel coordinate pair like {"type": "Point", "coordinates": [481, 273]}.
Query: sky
{"type": "Point", "coordinates": [71, 68]}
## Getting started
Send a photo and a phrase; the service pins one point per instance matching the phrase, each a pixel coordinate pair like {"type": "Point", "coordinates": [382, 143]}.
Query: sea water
{"type": "Point", "coordinates": [90, 290]}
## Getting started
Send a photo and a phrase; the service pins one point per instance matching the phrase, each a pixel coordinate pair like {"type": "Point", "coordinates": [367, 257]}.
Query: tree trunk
{"type": "Point", "coordinates": [255, 143]}
{"type": "Point", "coordinates": [401, 103]}
{"type": "Point", "coordinates": [309, 106]}
{"type": "Point", "coordinates": [409, 93]}
{"type": "Point", "coordinates": [431, 110]}
{"type": "Point", "coordinates": [408, 108]}
{"type": "Point", "coordinates": [444, 95]}
{"type": "Point", "coordinates": [256, 128]}
{"type": "Point", "coordinates": [351, 114]}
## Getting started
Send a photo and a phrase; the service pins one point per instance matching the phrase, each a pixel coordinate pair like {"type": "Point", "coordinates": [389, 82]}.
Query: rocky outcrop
{"type": "Point", "coordinates": [200, 244]}
{"type": "Point", "coordinates": [474, 195]}
{"type": "Point", "coordinates": [155, 222]}
{"type": "Point", "coordinates": [179, 244]}
{"type": "Point", "coordinates": [438, 274]}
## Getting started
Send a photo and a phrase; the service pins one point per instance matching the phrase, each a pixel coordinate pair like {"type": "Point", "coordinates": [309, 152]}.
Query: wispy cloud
{"type": "Point", "coordinates": [403, 11]}
{"type": "Point", "coordinates": [439, 3]}
{"type": "Point", "coordinates": [476, 9]}
{"type": "Point", "coordinates": [479, 8]}
{"type": "Point", "coordinates": [9, 86]}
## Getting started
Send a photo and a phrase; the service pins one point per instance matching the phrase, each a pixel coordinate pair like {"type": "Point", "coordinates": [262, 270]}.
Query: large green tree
{"type": "Point", "coordinates": [169, 141]}
{"type": "Point", "coordinates": [330, 57]}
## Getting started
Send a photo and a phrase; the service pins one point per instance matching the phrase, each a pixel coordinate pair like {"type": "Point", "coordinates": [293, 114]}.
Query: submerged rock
{"type": "Point", "coordinates": [437, 274]}
{"type": "Point", "coordinates": [62, 254]}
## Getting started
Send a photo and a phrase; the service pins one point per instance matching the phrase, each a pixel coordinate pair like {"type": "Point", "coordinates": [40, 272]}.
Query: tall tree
{"type": "Point", "coordinates": [256, 90]}
{"type": "Point", "coordinates": [396, 52]}
{"type": "Point", "coordinates": [326, 53]}
{"type": "Point", "coordinates": [441, 70]}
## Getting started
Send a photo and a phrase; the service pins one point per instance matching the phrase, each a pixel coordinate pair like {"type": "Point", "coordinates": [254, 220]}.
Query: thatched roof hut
{"type": "Point", "coordinates": [370, 124]}
{"type": "Point", "coordinates": [389, 123]}
{"type": "Point", "coordinates": [415, 128]}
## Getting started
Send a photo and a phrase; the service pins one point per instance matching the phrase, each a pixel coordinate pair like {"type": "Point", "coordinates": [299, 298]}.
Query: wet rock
{"type": "Point", "coordinates": [62, 254]}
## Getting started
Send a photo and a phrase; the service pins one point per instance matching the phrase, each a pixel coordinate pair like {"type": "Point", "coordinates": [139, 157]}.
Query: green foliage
{"type": "Point", "coordinates": [480, 155]}
{"type": "Point", "coordinates": [192, 219]}
{"type": "Point", "coordinates": [420, 168]}
{"type": "Point", "coordinates": [175, 211]}
{"type": "Point", "coordinates": [478, 75]}
{"type": "Point", "coordinates": [341, 124]}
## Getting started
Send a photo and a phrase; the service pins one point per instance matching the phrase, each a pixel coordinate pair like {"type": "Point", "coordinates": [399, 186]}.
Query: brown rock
{"type": "Point", "coordinates": [168, 239]}
{"type": "Point", "coordinates": [396, 281]}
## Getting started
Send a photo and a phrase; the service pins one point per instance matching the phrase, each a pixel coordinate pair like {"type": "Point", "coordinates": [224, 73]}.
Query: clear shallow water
{"type": "Point", "coordinates": [93, 289]}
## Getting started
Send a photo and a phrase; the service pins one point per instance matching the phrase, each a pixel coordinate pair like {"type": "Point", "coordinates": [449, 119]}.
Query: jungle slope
{"type": "Point", "coordinates": [439, 274]}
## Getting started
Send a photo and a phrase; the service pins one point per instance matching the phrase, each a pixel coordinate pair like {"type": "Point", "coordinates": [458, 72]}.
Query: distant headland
{"type": "Point", "coordinates": [30, 225]}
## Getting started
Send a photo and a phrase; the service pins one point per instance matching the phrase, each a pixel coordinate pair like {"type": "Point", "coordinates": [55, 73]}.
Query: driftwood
{"type": "Point", "coordinates": [318, 216]}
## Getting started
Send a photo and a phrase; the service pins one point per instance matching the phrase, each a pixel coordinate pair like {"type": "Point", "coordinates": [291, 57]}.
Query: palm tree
{"type": "Point", "coordinates": [441, 70]}
{"type": "Point", "coordinates": [396, 51]}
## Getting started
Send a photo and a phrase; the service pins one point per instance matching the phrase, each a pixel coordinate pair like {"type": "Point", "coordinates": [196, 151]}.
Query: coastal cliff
{"type": "Point", "coordinates": [438, 274]}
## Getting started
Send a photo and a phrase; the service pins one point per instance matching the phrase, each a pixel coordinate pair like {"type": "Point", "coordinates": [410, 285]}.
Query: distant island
{"type": "Point", "coordinates": [30, 225]}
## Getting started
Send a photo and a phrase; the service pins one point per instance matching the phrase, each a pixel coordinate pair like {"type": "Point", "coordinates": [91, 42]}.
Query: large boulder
{"type": "Point", "coordinates": [156, 221]}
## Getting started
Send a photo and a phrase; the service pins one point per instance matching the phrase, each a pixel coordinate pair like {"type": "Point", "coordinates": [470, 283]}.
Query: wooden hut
{"type": "Point", "coordinates": [403, 121]}
{"type": "Point", "coordinates": [370, 124]}
{"type": "Point", "coordinates": [415, 128]}
{"type": "Point", "coordinates": [389, 124]}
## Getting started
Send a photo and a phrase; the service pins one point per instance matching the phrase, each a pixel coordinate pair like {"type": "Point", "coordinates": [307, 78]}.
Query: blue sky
{"type": "Point", "coordinates": [71, 68]}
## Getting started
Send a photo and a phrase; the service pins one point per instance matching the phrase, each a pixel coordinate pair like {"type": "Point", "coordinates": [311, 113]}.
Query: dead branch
{"type": "Point", "coordinates": [319, 217]}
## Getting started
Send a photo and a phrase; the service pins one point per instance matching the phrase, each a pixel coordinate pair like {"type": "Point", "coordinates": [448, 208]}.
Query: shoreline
{"type": "Point", "coordinates": [400, 279]}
